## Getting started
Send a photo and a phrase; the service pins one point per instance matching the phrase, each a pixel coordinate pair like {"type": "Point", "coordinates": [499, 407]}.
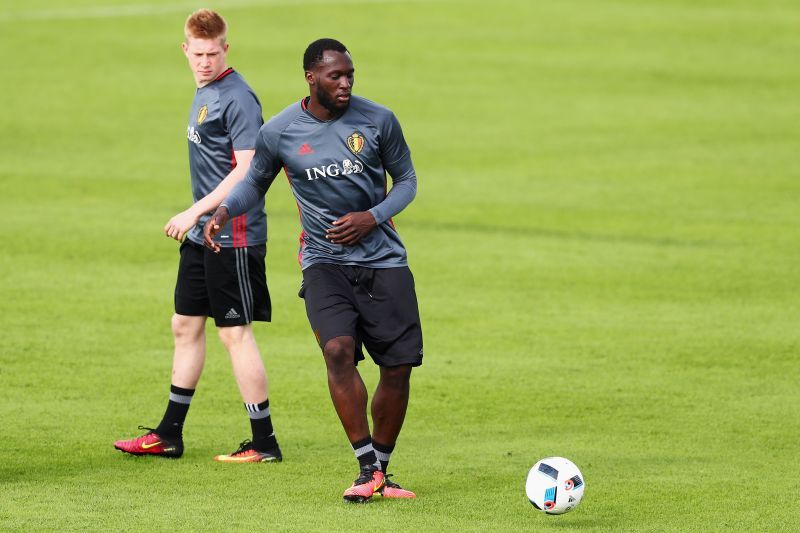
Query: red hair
{"type": "Point", "coordinates": [206, 24]}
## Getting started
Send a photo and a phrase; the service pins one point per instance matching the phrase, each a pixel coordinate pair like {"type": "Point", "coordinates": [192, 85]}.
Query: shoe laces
{"type": "Point", "coordinates": [389, 483]}
{"type": "Point", "coordinates": [150, 431]}
{"type": "Point", "coordinates": [244, 446]}
{"type": "Point", "coordinates": [366, 475]}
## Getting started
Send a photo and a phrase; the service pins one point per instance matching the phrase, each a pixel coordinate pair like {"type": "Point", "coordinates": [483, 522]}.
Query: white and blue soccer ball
{"type": "Point", "coordinates": [555, 485]}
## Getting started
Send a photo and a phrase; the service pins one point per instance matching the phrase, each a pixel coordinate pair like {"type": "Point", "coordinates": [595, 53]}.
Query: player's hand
{"type": "Point", "coordinates": [179, 225]}
{"type": "Point", "coordinates": [213, 227]}
{"type": "Point", "coordinates": [351, 228]}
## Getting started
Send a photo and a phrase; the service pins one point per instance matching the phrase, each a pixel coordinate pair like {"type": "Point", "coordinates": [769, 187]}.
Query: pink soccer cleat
{"type": "Point", "coordinates": [393, 490]}
{"type": "Point", "coordinates": [369, 481]}
{"type": "Point", "coordinates": [151, 443]}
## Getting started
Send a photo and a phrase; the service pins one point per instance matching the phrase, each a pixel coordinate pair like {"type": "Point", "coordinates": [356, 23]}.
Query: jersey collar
{"type": "Point", "coordinates": [304, 107]}
{"type": "Point", "coordinates": [227, 71]}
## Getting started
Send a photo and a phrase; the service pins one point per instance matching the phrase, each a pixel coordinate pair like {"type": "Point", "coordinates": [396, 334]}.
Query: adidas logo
{"type": "Point", "coordinates": [232, 313]}
{"type": "Point", "coordinates": [305, 149]}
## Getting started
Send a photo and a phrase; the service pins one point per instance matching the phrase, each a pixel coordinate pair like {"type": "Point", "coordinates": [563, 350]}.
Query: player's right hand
{"type": "Point", "coordinates": [179, 225]}
{"type": "Point", "coordinates": [213, 226]}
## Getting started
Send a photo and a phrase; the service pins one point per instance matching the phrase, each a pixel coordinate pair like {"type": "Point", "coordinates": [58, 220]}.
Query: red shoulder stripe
{"type": "Point", "coordinates": [299, 213]}
{"type": "Point", "coordinates": [225, 73]}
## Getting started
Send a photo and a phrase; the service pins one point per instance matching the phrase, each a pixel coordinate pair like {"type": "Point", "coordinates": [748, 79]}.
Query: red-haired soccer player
{"type": "Point", "coordinates": [231, 286]}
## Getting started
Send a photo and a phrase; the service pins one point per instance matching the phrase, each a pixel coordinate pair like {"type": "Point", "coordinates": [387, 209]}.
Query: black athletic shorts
{"type": "Point", "coordinates": [375, 306]}
{"type": "Point", "coordinates": [230, 286]}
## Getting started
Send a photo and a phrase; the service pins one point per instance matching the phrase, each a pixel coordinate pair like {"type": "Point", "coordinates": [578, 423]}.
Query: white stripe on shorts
{"type": "Point", "coordinates": [239, 278]}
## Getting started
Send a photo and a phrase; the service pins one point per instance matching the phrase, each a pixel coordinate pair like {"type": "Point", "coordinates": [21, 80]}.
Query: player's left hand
{"type": "Point", "coordinates": [351, 228]}
{"type": "Point", "coordinates": [179, 225]}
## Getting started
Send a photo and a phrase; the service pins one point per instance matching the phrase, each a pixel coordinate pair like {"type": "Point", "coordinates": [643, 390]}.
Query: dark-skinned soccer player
{"type": "Point", "coordinates": [336, 149]}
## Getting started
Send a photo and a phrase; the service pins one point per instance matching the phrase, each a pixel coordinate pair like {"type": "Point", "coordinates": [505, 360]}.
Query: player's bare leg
{"type": "Point", "coordinates": [187, 364]}
{"type": "Point", "coordinates": [248, 368]}
{"type": "Point", "coordinates": [348, 392]}
{"type": "Point", "coordinates": [389, 405]}
{"type": "Point", "coordinates": [349, 395]}
{"type": "Point", "coordinates": [189, 333]}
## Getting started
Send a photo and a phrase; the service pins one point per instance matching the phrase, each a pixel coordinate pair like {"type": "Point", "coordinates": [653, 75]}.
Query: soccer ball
{"type": "Point", "coordinates": [555, 485]}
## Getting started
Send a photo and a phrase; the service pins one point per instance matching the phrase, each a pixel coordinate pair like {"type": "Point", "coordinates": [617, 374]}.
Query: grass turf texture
{"type": "Point", "coordinates": [605, 243]}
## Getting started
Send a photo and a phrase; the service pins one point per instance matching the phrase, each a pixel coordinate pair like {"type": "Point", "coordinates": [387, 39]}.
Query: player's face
{"type": "Point", "coordinates": [206, 58]}
{"type": "Point", "coordinates": [332, 81]}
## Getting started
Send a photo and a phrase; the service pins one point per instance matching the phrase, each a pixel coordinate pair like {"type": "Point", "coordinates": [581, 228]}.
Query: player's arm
{"type": "Point", "coordinates": [241, 117]}
{"type": "Point", "coordinates": [404, 190]}
{"type": "Point", "coordinates": [353, 227]}
{"type": "Point", "coordinates": [180, 224]}
{"type": "Point", "coordinates": [246, 193]}
{"type": "Point", "coordinates": [396, 158]}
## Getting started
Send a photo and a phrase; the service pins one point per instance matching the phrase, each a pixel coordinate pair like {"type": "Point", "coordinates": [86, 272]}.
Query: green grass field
{"type": "Point", "coordinates": [606, 244]}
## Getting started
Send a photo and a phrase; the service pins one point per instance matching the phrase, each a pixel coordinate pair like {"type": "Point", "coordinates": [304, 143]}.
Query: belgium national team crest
{"type": "Point", "coordinates": [355, 142]}
{"type": "Point", "coordinates": [202, 114]}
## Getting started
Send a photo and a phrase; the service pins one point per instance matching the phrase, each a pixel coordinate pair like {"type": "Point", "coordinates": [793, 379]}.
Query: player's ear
{"type": "Point", "coordinates": [310, 77]}
{"type": "Point", "coordinates": [184, 47]}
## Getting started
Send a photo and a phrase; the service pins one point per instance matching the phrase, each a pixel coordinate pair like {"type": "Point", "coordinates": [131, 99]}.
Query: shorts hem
{"type": "Point", "coordinates": [190, 312]}
{"type": "Point", "coordinates": [390, 364]}
{"type": "Point", "coordinates": [331, 337]}
{"type": "Point", "coordinates": [242, 323]}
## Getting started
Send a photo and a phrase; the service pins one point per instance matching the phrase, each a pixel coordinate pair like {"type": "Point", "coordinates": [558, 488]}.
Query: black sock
{"type": "Point", "coordinates": [261, 424]}
{"type": "Point", "coordinates": [383, 453]}
{"type": "Point", "coordinates": [365, 453]}
{"type": "Point", "coordinates": [171, 425]}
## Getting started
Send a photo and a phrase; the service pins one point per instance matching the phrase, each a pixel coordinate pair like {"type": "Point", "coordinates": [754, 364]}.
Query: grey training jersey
{"type": "Point", "coordinates": [334, 168]}
{"type": "Point", "coordinates": [225, 116]}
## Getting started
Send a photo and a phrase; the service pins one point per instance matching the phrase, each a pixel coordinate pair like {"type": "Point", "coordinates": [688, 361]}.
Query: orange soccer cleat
{"type": "Point", "coordinates": [248, 454]}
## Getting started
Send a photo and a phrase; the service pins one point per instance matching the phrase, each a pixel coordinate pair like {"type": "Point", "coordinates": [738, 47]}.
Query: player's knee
{"type": "Point", "coordinates": [187, 327]}
{"type": "Point", "coordinates": [396, 377]}
{"type": "Point", "coordinates": [233, 336]}
{"type": "Point", "coordinates": [339, 352]}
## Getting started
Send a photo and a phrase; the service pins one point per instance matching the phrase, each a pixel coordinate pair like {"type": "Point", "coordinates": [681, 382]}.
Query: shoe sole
{"type": "Point", "coordinates": [248, 462]}
{"type": "Point", "coordinates": [140, 454]}
{"type": "Point", "coordinates": [267, 460]}
{"type": "Point", "coordinates": [357, 499]}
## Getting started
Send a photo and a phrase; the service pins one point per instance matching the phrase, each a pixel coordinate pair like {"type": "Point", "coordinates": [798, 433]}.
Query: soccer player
{"type": "Point", "coordinates": [229, 286]}
{"type": "Point", "coordinates": [336, 149]}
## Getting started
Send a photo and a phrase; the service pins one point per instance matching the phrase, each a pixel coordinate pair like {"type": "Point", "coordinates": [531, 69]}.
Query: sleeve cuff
{"type": "Point", "coordinates": [379, 219]}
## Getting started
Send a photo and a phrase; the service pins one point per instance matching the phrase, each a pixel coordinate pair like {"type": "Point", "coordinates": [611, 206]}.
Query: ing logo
{"type": "Point", "coordinates": [193, 135]}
